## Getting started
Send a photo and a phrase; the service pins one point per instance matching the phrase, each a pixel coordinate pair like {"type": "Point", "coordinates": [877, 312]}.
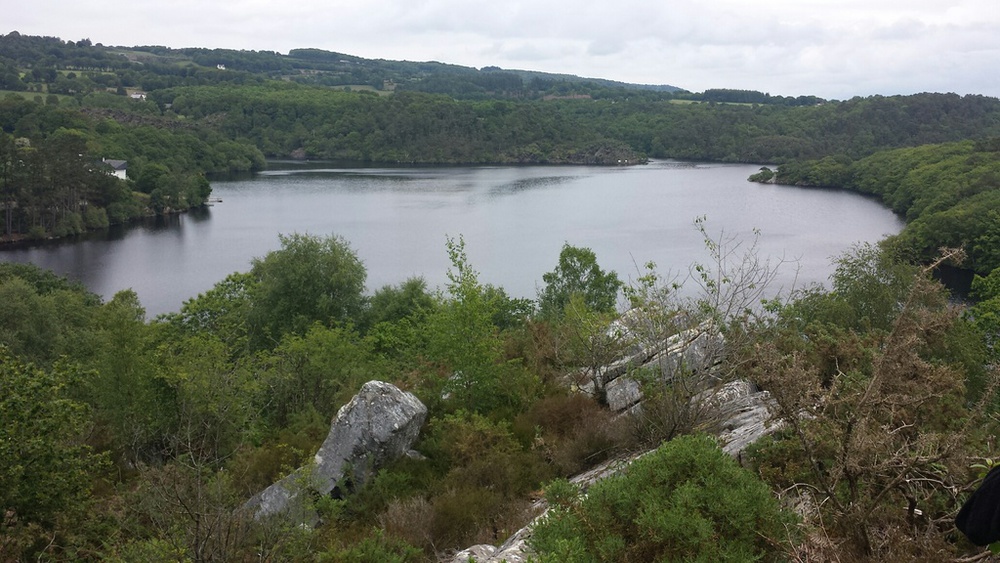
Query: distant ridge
{"type": "Point", "coordinates": [309, 66]}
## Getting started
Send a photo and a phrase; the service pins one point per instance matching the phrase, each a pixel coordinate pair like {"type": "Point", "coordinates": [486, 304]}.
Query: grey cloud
{"type": "Point", "coordinates": [604, 47]}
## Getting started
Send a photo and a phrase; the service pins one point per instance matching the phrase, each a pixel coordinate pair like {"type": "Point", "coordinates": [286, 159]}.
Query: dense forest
{"type": "Point", "coordinates": [124, 438]}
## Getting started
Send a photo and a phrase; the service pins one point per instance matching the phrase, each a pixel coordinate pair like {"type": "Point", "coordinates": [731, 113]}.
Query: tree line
{"type": "Point", "coordinates": [947, 193]}
{"type": "Point", "coordinates": [439, 113]}
{"type": "Point", "coordinates": [50, 64]}
{"type": "Point", "coordinates": [283, 119]}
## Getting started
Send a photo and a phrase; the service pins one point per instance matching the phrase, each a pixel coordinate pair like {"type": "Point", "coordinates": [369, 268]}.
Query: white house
{"type": "Point", "coordinates": [118, 167]}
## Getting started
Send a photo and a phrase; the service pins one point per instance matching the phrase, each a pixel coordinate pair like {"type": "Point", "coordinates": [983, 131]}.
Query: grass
{"type": "Point", "coordinates": [688, 102]}
{"type": "Point", "coordinates": [31, 95]}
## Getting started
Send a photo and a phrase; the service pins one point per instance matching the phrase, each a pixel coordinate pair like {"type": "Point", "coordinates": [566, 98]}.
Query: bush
{"type": "Point", "coordinates": [687, 500]}
{"type": "Point", "coordinates": [375, 549]}
{"type": "Point", "coordinates": [486, 477]}
{"type": "Point", "coordinates": [571, 431]}
{"type": "Point", "coordinates": [95, 217]}
{"type": "Point", "coordinates": [310, 279]}
{"type": "Point", "coordinates": [37, 232]}
{"type": "Point", "coordinates": [871, 382]}
{"type": "Point", "coordinates": [69, 224]}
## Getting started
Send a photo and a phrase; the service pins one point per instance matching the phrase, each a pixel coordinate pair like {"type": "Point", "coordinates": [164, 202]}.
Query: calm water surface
{"type": "Point", "coordinates": [514, 221]}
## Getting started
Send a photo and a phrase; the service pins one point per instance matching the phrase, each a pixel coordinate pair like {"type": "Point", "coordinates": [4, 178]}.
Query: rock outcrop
{"type": "Point", "coordinates": [742, 417]}
{"type": "Point", "coordinates": [379, 425]}
{"type": "Point", "coordinates": [738, 409]}
{"type": "Point", "coordinates": [695, 351]}
{"type": "Point", "coordinates": [745, 416]}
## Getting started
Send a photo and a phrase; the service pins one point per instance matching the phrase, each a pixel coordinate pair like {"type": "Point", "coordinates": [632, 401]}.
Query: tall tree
{"type": "Point", "coordinates": [310, 279]}
{"type": "Point", "coordinates": [578, 274]}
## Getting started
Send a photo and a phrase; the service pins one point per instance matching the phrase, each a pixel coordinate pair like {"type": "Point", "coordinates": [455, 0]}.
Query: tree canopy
{"type": "Point", "coordinates": [578, 274]}
{"type": "Point", "coordinates": [309, 279]}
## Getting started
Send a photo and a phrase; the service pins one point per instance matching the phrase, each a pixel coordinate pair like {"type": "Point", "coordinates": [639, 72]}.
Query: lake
{"type": "Point", "coordinates": [514, 221]}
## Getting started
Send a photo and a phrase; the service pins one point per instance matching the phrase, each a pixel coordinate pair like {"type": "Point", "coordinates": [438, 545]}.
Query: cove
{"type": "Point", "coordinates": [514, 221]}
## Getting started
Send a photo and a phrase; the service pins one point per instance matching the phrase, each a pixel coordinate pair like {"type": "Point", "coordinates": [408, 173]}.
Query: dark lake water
{"type": "Point", "coordinates": [514, 221]}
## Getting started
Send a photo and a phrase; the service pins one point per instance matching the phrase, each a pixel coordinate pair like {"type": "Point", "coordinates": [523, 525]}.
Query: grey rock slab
{"type": "Point", "coordinates": [377, 426]}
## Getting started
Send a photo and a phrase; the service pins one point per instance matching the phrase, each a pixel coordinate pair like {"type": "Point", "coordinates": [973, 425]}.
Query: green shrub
{"type": "Point", "coordinates": [486, 476]}
{"type": "Point", "coordinates": [374, 549]}
{"type": "Point", "coordinates": [95, 217]}
{"type": "Point", "coordinates": [572, 432]}
{"type": "Point", "coordinates": [69, 224]}
{"type": "Point", "coordinates": [686, 501]}
{"type": "Point", "coordinates": [37, 232]}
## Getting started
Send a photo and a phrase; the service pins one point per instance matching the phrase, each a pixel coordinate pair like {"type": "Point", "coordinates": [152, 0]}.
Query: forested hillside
{"type": "Point", "coordinates": [949, 194]}
{"type": "Point", "coordinates": [296, 105]}
{"type": "Point", "coordinates": [54, 181]}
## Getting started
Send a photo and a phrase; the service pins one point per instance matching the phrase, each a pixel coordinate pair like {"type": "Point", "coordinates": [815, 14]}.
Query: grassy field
{"type": "Point", "coordinates": [686, 102]}
{"type": "Point", "coordinates": [37, 96]}
{"type": "Point", "coordinates": [361, 88]}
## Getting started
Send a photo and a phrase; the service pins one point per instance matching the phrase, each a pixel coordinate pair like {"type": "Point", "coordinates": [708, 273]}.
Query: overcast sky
{"type": "Point", "coordinates": [833, 49]}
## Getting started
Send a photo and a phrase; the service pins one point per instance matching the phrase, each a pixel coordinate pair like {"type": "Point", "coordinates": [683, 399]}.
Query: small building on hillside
{"type": "Point", "coordinates": [118, 167]}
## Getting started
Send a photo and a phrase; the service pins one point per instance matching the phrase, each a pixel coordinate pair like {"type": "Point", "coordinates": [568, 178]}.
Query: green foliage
{"type": "Point", "coordinates": [946, 192]}
{"type": "Point", "coordinates": [871, 381]}
{"type": "Point", "coordinates": [257, 466]}
{"type": "Point", "coordinates": [508, 312]}
{"type": "Point", "coordinates": [310, 279]}
{"type": "Point", "coordinates": [985, 314]}
{"type": "Point", "coordinates": [324, 105]}
{"type": "Point", "coordinates": [151, 177]}
{"type": "Point", "coordinates": [53, 182]}
{"type": "Point", "coordinates": [464, 341]}
{"type": "Point", "coordinates": [217, 400]}
{"type": "Point", "coordinates": [44, 316]}
{"type": "Point", "coordinates": [586, 339]}
{"type": "Point", "coordinates": [130, 400]}
{"type": "Point", "coordinates": [764, 176]}
{"type": "Point", "coordinates": [687, 500]}
{"type": "Point", "coordinates": [44, 281]}
{"type": "Point", "coordinates": [222, 311]}
{"type": "Point", "coordinates": [578, 273]}
{"type": "Point", "coordinates": [45, 467]}
{"type": "Point", "coordinates": [205, 407]}
{"type": "Point", "coordinates": [391, 304]}
{"type": "Point", "coordinates": [394, 323]}
{"type": "Point", "coordinates": [320, 370]}
{"type": "Point", "coordinates": [872, 285]}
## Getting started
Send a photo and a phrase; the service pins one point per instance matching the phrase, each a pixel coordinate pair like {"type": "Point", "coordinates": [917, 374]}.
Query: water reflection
{"type": "Point", "coordinates": [514, 220]}
{"type": "Point", "coordinates": [530, 184]}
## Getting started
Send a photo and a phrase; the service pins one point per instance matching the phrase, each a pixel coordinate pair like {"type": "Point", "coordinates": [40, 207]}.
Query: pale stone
{"type": "Point", "coordinates": [377, 426]}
